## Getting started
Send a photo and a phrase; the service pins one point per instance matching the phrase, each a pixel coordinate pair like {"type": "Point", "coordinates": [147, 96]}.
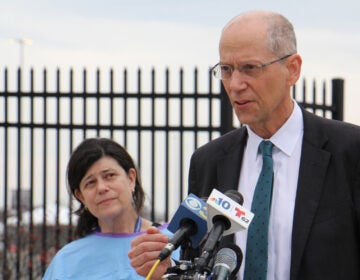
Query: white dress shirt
{"type": "Point", "coordinates": [286, 157]}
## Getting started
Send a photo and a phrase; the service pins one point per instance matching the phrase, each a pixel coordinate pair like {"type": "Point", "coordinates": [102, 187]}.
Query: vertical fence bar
{"type": "Point", "coordinates": [71, 145]}
{"type": "Point", "coordinates": [31, 244]}
{"type": "Point", "coordinates": [293, 92]}
{"type": "Point", "coordinates": [210, 90]}
{"type": "Point", "coordinates": [153, 141]}
{"type": "Point", "coordinates": [111, 103]}
{"type": "Point", "coordinates": [138, 132]}
{"type": "Point", "coordinates": [338, 99]}
{"type": "Point", "coordinates": [167, 116]}
{"type": "Point", "coordinates": [196, 121]}
{"type": "Point", "coordinates": [57, 177]}
{"type": "Point", "coordinates": [5, 269]}
{"type": "Point", "coordinates": [84, 97]}
{"type": "Point", "coordinates": [98, 102]}
{"type": "Point", "coordinates": [324, 99]}
{"type": "Point", "coordinates": [181, 126]}
{"type": "Point", "coordinates": [304, 91]}
{"type": "Point", "coordinates": [314, 95]}
{"type": "Point", "coordinates": [44, 225]}
{"type": "Point", "coordinates": [226, 114]}
{"type": "Point", "coordinates": [125, 99]}
{"type": "Point", "coordinates": [18, 187]}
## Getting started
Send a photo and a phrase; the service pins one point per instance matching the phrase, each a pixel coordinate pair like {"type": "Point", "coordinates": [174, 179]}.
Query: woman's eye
{"type": "Point", "coordinates": [88, 184]}
{"type": "Point", "coordinates": [110, 175]}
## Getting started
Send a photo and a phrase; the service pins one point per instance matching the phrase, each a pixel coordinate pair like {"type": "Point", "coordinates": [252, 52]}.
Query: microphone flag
{"type": "Point", "coordinates": [194, 210]}
{"type": "Point", "coordinates": [220, 204]}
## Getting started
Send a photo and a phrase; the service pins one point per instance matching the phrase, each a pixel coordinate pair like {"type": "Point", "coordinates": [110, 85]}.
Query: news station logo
{"type": "Point", "coordinates": [226, 204]}
{"type": "Point", "coordinates": [193, 203]}
{"type": "Point", "coordinates": [196, 205]}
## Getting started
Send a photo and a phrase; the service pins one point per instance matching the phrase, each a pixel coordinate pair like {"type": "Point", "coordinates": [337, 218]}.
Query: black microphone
{"type": "Point", "coordinates": [220, 223]}
{"type": "Point", "coordinates": [227, 262]}
{"type": "Point", "coordinates": [188, 225]}
{"type": "Point", "coordinates": [235, 195]}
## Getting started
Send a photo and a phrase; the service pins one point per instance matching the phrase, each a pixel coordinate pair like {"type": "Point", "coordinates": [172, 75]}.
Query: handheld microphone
{"type": "Point", "coordinates": [188, 224]}
{"type": "Point", "coordinates": [225, 216]}
{"type": "Point", "coordinates": [227, 262]}
{"type": "Point", "coordinates": [228, 208]}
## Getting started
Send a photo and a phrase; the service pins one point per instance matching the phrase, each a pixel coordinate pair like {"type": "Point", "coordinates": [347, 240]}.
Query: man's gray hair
{"type": "Point", "coordinates": [281, 35]}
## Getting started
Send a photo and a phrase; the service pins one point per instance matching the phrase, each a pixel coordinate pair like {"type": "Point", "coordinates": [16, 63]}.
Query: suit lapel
{"type": "Point", "coordinates": [228, 170]}
{"type": "Point", "coordinates": [228, 167]}
{"type": "Point", "coordinates": [313, 166]}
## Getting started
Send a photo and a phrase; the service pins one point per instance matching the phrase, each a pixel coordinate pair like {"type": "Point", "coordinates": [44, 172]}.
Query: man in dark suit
{"type": "Point", "coordinates": [314, 228]}
{"type": "Point", "coordinates": [314, 220]}
{"type": "Point", "coordinates": [325, 230]}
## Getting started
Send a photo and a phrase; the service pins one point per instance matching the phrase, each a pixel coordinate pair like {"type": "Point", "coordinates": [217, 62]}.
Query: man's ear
{"type": "Point", "coordinates": [293, 64]}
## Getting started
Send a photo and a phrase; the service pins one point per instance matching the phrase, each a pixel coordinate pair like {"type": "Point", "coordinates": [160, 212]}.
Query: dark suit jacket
{"type": "Point", "coordinates": [326, 227]}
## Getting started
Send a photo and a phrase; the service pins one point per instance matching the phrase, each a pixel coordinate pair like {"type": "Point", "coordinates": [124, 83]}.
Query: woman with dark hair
{"type": "Point", "coordinates": [102, 176]}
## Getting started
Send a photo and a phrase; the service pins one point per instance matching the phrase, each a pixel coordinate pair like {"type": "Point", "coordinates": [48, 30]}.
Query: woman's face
{"type": "Point", "coordinates": [106, 190]}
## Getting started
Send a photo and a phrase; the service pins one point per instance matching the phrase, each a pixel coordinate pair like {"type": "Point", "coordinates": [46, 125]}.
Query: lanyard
{"type": "Point", "coordinates": [138, 224]}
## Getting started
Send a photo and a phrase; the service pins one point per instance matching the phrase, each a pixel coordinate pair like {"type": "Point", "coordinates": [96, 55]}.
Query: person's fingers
{"type": "Point", "coordinates": [153, 235]}
{"type": "Point", "coordinates": [139, 260]}
{"type": "Point", "coordinates": [151, 230]}
{"type": "Point", "coordinates": [145, 250]}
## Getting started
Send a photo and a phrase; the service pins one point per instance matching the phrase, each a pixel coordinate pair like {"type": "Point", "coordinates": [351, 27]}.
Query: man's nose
{"type": "Point", "coordinates": [237, 81]}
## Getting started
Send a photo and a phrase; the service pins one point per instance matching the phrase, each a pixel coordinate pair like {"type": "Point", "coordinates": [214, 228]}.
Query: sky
{"type": "Point", "coordinates": [106, 34]}
{"type": "Point", "coordinates": [132, 34]}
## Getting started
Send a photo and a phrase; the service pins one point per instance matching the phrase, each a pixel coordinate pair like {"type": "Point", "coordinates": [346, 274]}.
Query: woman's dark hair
{"type": "Point", "coordinates": [82, 158]}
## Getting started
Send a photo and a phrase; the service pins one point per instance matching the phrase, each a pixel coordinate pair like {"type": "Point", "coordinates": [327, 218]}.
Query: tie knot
{"type": "Point", "coordinates": [266, 148]}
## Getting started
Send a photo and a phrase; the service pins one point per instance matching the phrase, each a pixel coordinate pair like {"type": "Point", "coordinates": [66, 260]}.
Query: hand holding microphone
{"type": "Point", "coordinates": [150, 243]}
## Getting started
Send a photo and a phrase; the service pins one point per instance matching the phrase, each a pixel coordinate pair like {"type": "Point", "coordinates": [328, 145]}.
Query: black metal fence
{"type": "Point", "coordinates": [160, 119]}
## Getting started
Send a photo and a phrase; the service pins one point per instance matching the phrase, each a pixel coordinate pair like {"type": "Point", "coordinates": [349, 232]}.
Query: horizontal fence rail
{"type": "Point", "coordinates": [40, 126]}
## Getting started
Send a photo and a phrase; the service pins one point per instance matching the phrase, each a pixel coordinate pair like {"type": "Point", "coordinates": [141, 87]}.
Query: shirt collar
{"type": "Point", "coordinates": [284, 139]}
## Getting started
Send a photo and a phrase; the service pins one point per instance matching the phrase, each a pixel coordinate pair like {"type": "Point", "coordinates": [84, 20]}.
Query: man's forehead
{"type": "Point", "coordinates": [243, 37]}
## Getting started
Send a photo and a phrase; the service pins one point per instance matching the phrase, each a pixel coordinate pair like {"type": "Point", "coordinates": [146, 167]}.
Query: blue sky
{"type": "Point", "coordinates": [174, 34]}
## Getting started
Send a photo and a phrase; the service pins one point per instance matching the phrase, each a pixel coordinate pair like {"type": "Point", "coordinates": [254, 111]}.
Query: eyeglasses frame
{"type": "Point", "coordinates": [261, 66]}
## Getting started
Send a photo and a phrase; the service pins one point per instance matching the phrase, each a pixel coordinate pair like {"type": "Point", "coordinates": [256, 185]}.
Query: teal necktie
{"type": "Point", "coordinates": [257, 240]}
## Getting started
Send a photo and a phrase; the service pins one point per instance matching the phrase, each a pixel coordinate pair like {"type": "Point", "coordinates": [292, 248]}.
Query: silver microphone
{"type": "Point", "coordinates": [227, 261]}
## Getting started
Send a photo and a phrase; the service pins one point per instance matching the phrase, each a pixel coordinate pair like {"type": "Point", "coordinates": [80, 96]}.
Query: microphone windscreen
{"type": "Point", "coordinates": [226, 257]}
{"type": "Point", "coordinates": [227, 262]}
{"type": "Point", "coordinates": [239, 256]}
{"type": "Point", "coordinates": [235, 195]}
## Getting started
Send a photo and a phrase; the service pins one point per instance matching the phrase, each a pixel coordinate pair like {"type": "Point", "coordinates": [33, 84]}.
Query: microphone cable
{"type": "Point", "coordinates": [151, 272]}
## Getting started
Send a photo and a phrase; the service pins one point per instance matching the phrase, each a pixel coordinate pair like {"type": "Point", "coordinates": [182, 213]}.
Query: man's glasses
{"type": "Point", "coordinates": [224, 71]}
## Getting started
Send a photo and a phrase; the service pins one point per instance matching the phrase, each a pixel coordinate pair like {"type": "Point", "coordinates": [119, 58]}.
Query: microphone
{"type": "Point", "coordinates": [227, 262]}
{"type": "Point", "coordinates": [188, 225]}
{"type": "Point", "coordinates": [225, 216]}
{"type": "Point", "coordinates": [228, 208]}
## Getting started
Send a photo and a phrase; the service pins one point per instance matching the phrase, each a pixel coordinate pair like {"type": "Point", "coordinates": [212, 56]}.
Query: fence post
{"type": "Point", "coordinates": [338, 99]}
{"type": "Point", "coordinates": [226, 112]}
